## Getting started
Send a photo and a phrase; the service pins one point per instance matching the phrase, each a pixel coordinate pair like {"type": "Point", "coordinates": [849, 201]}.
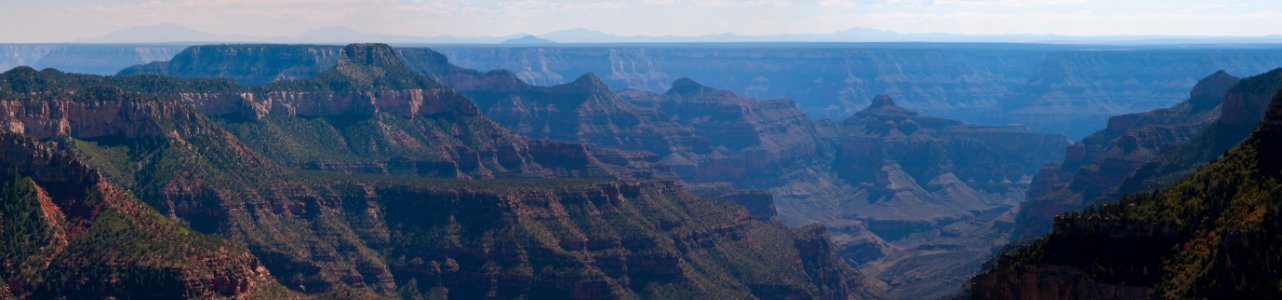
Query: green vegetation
{"type": "Point", "coordinates": [1213, 235]}
{"type": "Point", "coordinates": [65, 234]}
{"type": "Point", "coordinates": [368, 206]}
{"type": "Point", "coordinates": [361, 67]}
{"type": "Point", "coordinates": [250, 64]}
{"type": "Point", "coordinates": [25, 80]}
{"type": "Point", "coordinates": [24, 232]}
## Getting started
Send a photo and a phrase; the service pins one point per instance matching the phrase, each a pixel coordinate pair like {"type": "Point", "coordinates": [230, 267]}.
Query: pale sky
{"type": "Point", "coordinates": [68, 20]}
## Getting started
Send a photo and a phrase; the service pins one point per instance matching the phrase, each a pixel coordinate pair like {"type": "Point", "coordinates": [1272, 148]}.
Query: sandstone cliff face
{"type": "Point", "coordinates": [1096, 167]}
{"type": "Point", "coordinates": [360, 118]}
{"type": "Point", "coordinates": [944, 167]}
{"type": "Point", "coordinates": [920, 202]}
{"type": "Point", "coordinates": [706, 135]}
{"type": "Point", "coordinates": [1210, 235]}
{"type": "Point", "coordinates": [755, 140]}
{"type": "Point", "coordinates": [85, 237]}
{"type": "Point", "coordinates": [581, 111]}
{"type": "Point", "coordinates": [549, 232]}
{"type": "Point", "coordinates": [584, 242]}
{"type": "Point", "coordinates": [915, 220]}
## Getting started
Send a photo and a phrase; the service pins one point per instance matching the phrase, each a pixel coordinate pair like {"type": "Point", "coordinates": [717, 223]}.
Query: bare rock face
{"type": "Point", "coordinates": [581, 111]}
{"type": "Point", "coordinates": [1247, 103]}
{"type": "Point", "coordinates": [48, 118]}
{"type": "Point", "coordinates": [611, 254]}
{"type": "Point", "coordinates": [940, 166]}
{"type": "Point", "coordinates": [376, 116]}
{"type": "Point", "coordinates": [1062, 89]}
{"type": "Point", "coordinates": [705, 134]}
{"type": "Point", "coordinates": [1121, 158]}
{"type": "Point", "coordinates": [754, 139]}
{"type": "Point", "coordinates": [404, 197]}
{"type": "Point", "coordinates": [913, 195]}
{"type": "Point", "coordinates": [1187, 240]}
{"type": "Point", "coordinates": [869, 179]}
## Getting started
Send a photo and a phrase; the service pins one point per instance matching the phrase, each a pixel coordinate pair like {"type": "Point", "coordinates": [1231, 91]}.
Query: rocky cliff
{"type": "Point", "coordinates": [1096, 167]}
{"type": "Point", "coordinates": [1211, 235]}
{"type": "Point", "coordinates": [869, 179]}
{"type": "Point", "coordinates": [70, 233]}
{"type": "Point", "coordinates": [582, 111]}
{"type": "Point", "coordinates": [246, 64]}
{"type": "Point", "coordinates": [537, 218]}
{"type": "Point", "coordinates": [1070, 90]}
{"type": "Point", "coordinates": [755, 140]}
{"type": "Point", "coordinates": [930, 161]}
{"type": "Point", "coordinates": [918, 202]}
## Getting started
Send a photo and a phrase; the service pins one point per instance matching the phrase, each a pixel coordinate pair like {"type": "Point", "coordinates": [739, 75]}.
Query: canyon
{"type": "Point", "coordinates": [1210, 234]}
{"type": "Point", "coordinates": [822, 171]}
{"type": "Point", "coordinates": [916, 202]}
{"type": "Point", "coordinates": [1064, 89]}
{"type": "Point", "coordinates": [405, 190]}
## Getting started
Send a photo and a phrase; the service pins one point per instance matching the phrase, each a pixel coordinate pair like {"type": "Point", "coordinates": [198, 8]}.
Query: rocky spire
{"type": "Point", "coordinates": [687, 86]}
{"type": "Point", "coordinates": [883, 105]}
{"type": "Point", "coordinates": [882, 100]}
{"type": "Point", "coordinates": [1214, 85]}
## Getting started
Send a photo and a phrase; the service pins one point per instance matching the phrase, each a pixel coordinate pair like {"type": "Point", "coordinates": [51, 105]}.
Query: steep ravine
{"type": "Point", "coordinates": [1210, 235]}
{"type": "Point", "coordinates": [536, 219]}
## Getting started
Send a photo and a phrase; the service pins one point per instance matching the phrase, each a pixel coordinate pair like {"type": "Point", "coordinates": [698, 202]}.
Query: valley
{"type": "Point", "coordinates": [641, 150]}
{"type": "Point", "coordinates": [369, 170]}
{"type": "Point", "coordinates": [1064, 89]}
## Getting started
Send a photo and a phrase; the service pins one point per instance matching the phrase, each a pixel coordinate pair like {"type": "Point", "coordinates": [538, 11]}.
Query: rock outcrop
{"type": "Point", "coordinates": [941, 167]}
{"type": "Point", "coordinates": [246, 64]}
{"type": "Point", "coordinates": [1096, 168]}
{"type": "Point", "coordinates": [1211, 235]}
{"type": "Point", "coordinates": [70, 233]}
{"type": "Point", "coordinates": [815, 172]}
{"type": "Point", "coordinates": [755, 140]}
{"type": "Point", "coordinates": [935, 196]}
{"type": "Point", "coordinates": [278, 169]}
{"type": "Point", "coordinates": [1064, 89]}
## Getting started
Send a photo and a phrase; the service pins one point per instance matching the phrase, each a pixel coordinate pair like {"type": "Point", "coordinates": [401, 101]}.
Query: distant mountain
{"type": "Point", "coordinates": [165, 33]}
{"type": "Point", "coordinates": [528, 40]}
{"type": "Point", "coordinates": [340, 35]}
{"type": "Point", "coordinates": [84, 58]}
{"type": "Point", "coordinates": [863, 34]}
{"type": "Point", "coordinates": [579, 35]}
{"type": "Point", "coordinates": [175, 33]}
